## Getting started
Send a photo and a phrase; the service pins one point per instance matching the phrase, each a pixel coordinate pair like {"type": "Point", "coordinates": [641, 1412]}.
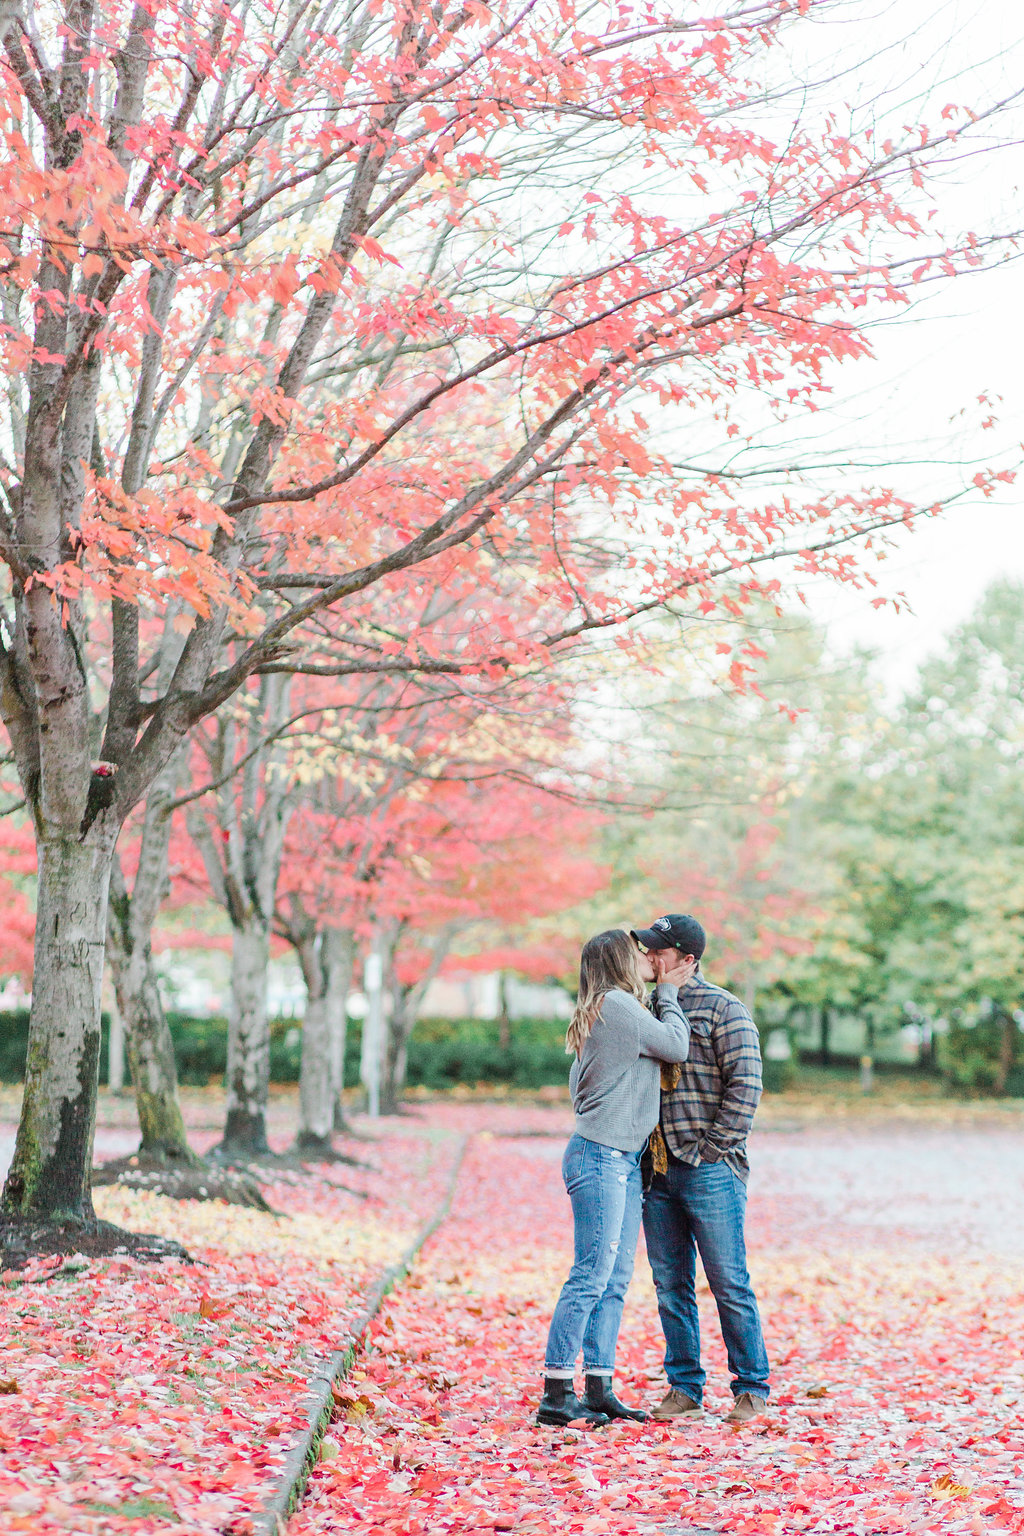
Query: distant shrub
{"type": "Point", "coordinates": [13, 1045]}
{"type": "Point", "coordinates": [777, 1076]}
{"type": "Point", "coordinates": [972, 1057]}
{"type": "Point", "coordinates": [443, 1052]}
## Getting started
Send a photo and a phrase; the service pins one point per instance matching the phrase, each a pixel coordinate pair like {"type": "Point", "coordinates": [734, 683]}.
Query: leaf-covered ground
{"type": "Point", "coordinates": [161, 1398]}
{"type": "Point", "coordinates": [888, 1261]}
{"type": "Point", "coordinates": [887, 1250]}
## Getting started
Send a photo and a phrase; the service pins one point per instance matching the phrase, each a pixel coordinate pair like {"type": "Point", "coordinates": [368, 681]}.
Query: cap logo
{"type": "Point", "coordinates": [663, 923]}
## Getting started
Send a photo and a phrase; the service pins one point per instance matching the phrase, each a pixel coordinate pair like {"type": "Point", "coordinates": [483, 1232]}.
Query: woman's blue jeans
{"type": "Point", "coordinates": [605, 1188]}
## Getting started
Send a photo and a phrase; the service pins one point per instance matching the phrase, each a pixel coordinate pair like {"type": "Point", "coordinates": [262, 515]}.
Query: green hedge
{"type": "Point", "coordinates": [446, 1052]}
{"type": "Point", "coordinates": [13, 1045]}
{"type": "Point", "coordinates": [200, 1048]}
{"type": "Point", "coordinates": [442, 1052]}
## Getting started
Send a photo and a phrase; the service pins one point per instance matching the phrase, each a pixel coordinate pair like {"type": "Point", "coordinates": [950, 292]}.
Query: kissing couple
{"type": "Point", "coordinates": [664, 1089]}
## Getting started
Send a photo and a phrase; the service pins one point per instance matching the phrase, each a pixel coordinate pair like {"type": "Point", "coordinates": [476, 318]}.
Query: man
{"type": "Point", "coordinates": [699, 1201]}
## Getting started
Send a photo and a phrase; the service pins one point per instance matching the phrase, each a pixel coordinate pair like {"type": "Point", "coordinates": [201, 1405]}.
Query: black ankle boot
{"type": "Point", "coordinates": [560, 1405]}
{"type": "Point", "coordinates": [600, 1397]}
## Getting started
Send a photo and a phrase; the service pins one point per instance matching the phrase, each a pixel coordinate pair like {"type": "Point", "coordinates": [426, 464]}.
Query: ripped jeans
{"type": "Point", "coordinates": [604, 1186]}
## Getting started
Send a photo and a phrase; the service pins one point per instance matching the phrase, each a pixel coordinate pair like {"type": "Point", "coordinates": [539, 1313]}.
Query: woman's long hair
{"type": "Point", "coordinates": [610, 961]}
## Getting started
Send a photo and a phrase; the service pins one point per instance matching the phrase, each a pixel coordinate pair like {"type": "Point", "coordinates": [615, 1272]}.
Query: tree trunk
{"type": "Point", "coordinates": [504, 1017]}
{"type": "Point", "coordinates": [339, 959]}
{"type": "Point", "coordinates": [115, 1049]}
{"type": "Point", "coordinates": [326, 956]}
{"type": "Point", "coordinates": [826, 1032]}
{"type": "Point", "coordinates": [1007, 1051]}
{"type": "Point", "coordinates": [316, 1100]}
{"type": "Point", "coordinates": [372, 1053]}
{"type": "Point", "coordinates": [49, 1174]}
{"type": "Point", "coordinates": [151, 1063]}
{"type": "Point", "coordinates": [248, 1074]}
{"type": "Point", "coordinates": [243, 864]}
{"type": "Point", "coordinates": [130, 922]}
{"type": "Point", "coordinates": [148, 1037]}
{"type": "Point", "coordinates": [316, 1096]}
{"type": "Point", "coordinates": [396, 1053]}
{"type": "Point", "coordinates": [405, 1010]}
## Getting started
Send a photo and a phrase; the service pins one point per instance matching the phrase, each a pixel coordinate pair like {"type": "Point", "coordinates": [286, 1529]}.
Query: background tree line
{"type": "Point", "coordinates": [855, 857]}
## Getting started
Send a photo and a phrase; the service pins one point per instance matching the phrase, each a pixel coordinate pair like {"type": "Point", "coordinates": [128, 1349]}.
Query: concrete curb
{"type": "Point", "coordinates": [272, 1518]}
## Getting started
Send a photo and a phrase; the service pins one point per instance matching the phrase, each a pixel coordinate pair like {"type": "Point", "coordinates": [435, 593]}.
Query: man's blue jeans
{"type": "Point", "coordinates": [703, 1208]}
{"type": "Point", "coordinates": [605, 1188]}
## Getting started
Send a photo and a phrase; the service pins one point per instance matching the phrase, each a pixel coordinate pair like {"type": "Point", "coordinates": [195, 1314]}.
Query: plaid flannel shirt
{"type": "Point", "coordinates": [706, 1116]}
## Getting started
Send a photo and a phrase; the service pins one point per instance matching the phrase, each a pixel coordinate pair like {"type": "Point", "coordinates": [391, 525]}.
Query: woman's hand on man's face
{"type": "Point", "coordinates": [672, 967]}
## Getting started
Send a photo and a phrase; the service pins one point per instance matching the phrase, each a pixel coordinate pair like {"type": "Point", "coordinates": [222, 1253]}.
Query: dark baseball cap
{"type": "Point", "coordinates": [676, 931]}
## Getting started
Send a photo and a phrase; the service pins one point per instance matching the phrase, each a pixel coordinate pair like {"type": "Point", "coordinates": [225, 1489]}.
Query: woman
{"type": "Point", "coordinates": [615, 1082]}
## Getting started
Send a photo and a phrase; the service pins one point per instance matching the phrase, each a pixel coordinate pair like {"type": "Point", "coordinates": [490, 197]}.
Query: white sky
{"type": "Point", "coordinates": [945, 564]}
{"type": "Point", "coordinates": [943, 570]}
{"type": "Point", "coordinates": [961, 341]}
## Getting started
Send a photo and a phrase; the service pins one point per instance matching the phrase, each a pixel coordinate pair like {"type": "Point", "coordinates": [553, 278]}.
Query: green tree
{"type": "Point", "coordinates": [923, 826]}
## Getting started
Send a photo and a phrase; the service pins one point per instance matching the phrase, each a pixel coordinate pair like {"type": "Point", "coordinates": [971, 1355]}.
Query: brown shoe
{"type": "Point", "coordinates": [746, 1407]}
{"type": "Point", "coordinates": [676, 1405]}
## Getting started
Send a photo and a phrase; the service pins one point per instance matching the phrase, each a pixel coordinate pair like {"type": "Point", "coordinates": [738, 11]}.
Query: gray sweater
{"type": "Point", "coordinates": [616, 1082]}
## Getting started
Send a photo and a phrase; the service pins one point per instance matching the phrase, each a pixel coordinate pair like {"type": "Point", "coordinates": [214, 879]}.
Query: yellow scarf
{"type": "Point", "coordinates": [671, 1072]}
